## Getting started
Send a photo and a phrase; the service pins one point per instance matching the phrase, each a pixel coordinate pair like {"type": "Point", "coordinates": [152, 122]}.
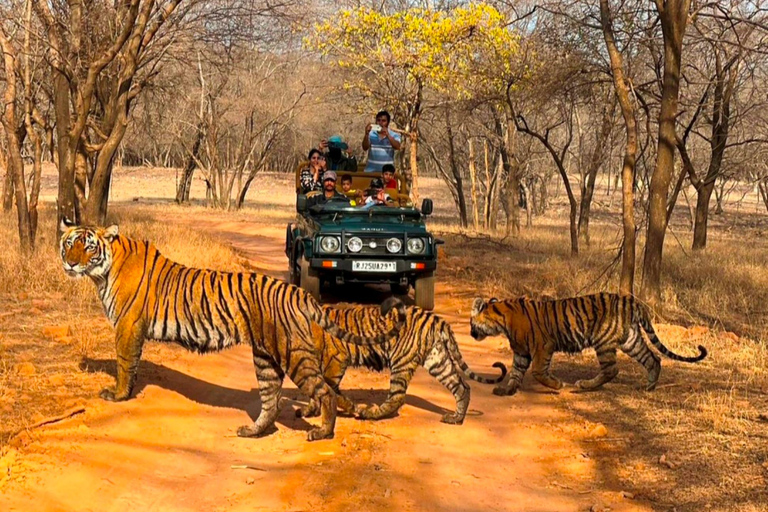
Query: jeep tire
{"type": "Point", "coordinates": [424, 291]}
{"type": "Point", "coordinates": [309, 280]}
{"type": "Point", "coordinates": [398, 289]}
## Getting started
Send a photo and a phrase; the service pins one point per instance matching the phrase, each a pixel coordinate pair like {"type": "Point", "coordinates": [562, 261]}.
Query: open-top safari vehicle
{"type": "Point", "coordinates": [338, 243]}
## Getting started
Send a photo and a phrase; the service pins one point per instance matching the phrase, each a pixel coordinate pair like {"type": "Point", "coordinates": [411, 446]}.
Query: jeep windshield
{"type": "Point", "coordinates": [341, 209]}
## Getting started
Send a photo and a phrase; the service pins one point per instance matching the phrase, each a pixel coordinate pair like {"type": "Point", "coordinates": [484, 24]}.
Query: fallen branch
{"type": "Point", "coordinates": [53, 419]}
{"type": "Point", "coordinates": [245, 466]}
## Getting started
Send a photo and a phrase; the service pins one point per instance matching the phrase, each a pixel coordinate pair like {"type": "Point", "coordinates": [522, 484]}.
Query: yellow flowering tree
{"type": "Point", "coordinates": [398, 58]}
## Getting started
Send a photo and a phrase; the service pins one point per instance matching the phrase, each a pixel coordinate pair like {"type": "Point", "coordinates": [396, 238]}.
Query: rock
{"type": "Point", "coordinates": [665, 462]}
{"type": "Point", "coordinates": [22, 440]}
{"type": "Point", "coordinates": [26, 369]}
{"type": "Point", "coordinates": [627, 495]}
{"type": "Point", "coordinates": [249, 480]}
{"type": "Point", "coordinates": [598, 508]}
{"type": "Point", "coordinates": [387, 493]}
{"type": "Point", "coordinates": [598, 431]}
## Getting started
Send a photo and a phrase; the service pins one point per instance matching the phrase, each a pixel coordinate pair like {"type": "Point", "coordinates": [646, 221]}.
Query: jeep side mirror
{"type": "Point", "coordinates": [301, 203]}
{"type": "Point", "coordinates": [426, 207]}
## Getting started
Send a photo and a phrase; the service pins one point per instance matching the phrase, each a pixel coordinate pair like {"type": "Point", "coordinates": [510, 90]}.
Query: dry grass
{"type": "Point", "coordinates": [704, 418]}
{"type": "Point", "coordinates": [708, 418]}
{"type": "Point", "coordinates": [38, 368]}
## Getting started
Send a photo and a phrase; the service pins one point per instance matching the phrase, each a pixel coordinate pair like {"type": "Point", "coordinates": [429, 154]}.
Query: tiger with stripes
{"type": "Point", "coordinates": [536, 329]}
{"type": "Point", "coordinates": [147, 296]}
{"type": "Point", "coordinates": [425, 340]}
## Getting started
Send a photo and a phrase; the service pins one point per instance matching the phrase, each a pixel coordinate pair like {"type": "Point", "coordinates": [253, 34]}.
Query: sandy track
{"type": "Point", "coordinates": [172, 447]}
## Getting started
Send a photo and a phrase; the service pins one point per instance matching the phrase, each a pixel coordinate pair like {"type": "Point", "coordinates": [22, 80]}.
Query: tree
{"type": "Point", "coordinates": [629, 113]}
{"type": "Point", "coordinates": [399, 58]}
{"type": "Point", "coordinates": [673, 15]}
{"type": "Point", "coordinates": [97, 77]}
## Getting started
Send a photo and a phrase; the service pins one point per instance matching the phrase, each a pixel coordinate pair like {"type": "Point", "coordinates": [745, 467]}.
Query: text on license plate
{"type": "Point", "coordinates": [374, 266]}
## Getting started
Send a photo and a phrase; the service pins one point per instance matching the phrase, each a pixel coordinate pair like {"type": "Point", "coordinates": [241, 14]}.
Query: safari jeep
{"type": "Point", "coordinates": [337, 243]}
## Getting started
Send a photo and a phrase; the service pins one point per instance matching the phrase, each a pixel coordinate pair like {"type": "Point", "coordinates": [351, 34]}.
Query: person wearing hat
{"type": "Point", "coordinates": [335, 154]}
{"type": "Point", "coordinates": [329, 191]}
{"type": "Point", "coordinates": [375, 195]}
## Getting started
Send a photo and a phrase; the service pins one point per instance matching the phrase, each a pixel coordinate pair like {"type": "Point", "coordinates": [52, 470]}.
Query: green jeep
{"type": "Point", "coordinates": [338, 243]}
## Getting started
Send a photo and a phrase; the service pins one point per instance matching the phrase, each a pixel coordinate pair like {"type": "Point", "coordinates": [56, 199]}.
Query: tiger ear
{"type": "Point", "coordinates": [478, 306]}
{"type": "Point", "coordinates": [111, 232]}
{"type": "Point", "coordinates": [65, 224]}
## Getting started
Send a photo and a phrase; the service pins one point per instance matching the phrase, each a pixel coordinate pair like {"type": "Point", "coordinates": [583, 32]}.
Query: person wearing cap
{"type": "Point", "coordinates": [329, 191]}
{"type": "Point", "coordinates": [375, 195]}
{"type": "Point", "coordinates": [335, 149]}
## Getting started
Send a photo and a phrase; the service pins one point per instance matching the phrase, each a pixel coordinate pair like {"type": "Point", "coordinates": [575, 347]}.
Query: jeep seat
{"type": "Point", "coordinates": [360, 181]}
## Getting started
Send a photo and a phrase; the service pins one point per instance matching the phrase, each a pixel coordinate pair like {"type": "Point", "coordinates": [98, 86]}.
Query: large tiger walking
{"type": "Point", "coordinates": [538, 329]}
{"type": "Point", "coordinates": [425, 340]}
{"type": "Point", "coordinates": [147, 296]}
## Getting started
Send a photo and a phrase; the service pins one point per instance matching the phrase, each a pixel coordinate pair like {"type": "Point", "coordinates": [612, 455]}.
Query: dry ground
{"type": "Point", "coordinates": [172, 446]}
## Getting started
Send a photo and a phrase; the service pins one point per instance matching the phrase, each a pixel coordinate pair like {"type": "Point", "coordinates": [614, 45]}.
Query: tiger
{"type": "Point", "coordinates": [147, 296]}
{"type": "Point", "coordinates": [536, 329]}
{"type": "Point", "coordinates": [425, 340]}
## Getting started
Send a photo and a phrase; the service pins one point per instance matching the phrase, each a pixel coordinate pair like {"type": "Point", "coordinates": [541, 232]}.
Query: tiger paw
{"type": "Point", "coordinates": [453, 419]}
{"type": "Point", "coordinates": [502, 391]}
{"type": "Point", "coordinates": [307, 412]}
{"type": "Point", "coordinates": [109, 395]}
{"type": "Point", "coordinates": [319, 433]}
{"type": "Point", "coordinates": [367, 413]}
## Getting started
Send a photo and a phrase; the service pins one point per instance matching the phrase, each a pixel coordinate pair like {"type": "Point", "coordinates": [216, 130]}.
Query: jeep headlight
{"type": "Point", "coordinates": [415, 245]}
{"type": "Point", "coordinates": [330, 244]}
{"type": "Point", "coordinates": [394, 245]}
{"type": "Point", "coordinates": [354, 244]}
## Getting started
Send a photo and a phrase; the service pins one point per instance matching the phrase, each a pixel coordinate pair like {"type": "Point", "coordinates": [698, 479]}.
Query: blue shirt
{"type": "Point", "coordinates": [381, 151]}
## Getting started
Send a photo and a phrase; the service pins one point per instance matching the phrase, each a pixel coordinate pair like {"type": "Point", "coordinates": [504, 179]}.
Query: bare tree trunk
{"type": "Point", "coordinates": [455, 170]}
{"type": "Point", "coordinates": [762, 187]}
{"type": "Point", "coordinates": [15, 162]}
{"type": "Point", "coordinates": [185, 184]}
{"type": "Point", "coordinates": [674, 17]}
{"type": "Point", "coordinates": [511, 192]}
{"type": "Point", "coordinates": [529, 204]}
{"type": "Point", "coordinates": [7, 183]}
{"type": "Point", "coordinates": [721, 115]}
{"type": "Point", "coordinates": [629, 113]}
{"type": "Point", "coordinates": [596, 160]}
{"type": "Point", "coordinates": [473, 180]}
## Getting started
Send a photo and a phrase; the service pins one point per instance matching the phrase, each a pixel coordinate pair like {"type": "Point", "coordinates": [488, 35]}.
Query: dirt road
{"type": "Point", "coordinates": [173, 446]}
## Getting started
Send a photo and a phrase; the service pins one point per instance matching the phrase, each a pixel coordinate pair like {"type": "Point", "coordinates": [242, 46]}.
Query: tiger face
{"type": "Point", "coordinates": [486, 319]}
{"type": "Point", "coordinates": [86, 251]}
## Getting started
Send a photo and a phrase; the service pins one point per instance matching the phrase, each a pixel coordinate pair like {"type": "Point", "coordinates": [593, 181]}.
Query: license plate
{"type": "Point", "coordinates": [374, 266]}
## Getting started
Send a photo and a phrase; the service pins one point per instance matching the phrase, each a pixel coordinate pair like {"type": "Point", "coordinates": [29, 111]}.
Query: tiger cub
{"type": "Point", "coordinates": [147, 296]}
{"type": "Point", "coordinates": [425, 340]}
{"type": "Point", "coordinates": [538, 329]}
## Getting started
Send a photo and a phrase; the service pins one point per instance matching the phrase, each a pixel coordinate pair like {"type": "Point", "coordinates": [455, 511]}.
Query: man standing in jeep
{"type": "Point", "coordinates": [381, 143]}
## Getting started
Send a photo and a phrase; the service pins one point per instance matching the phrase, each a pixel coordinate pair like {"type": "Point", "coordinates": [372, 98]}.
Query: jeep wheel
{"type": "Point", "coordinates": [309, 280]}
{"type": "Point", "coordinates": [294, 273]}
{"type": "Point", "coordinates": [424, 288]}
{"type": "Point", "coordinates": [399, 289]}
